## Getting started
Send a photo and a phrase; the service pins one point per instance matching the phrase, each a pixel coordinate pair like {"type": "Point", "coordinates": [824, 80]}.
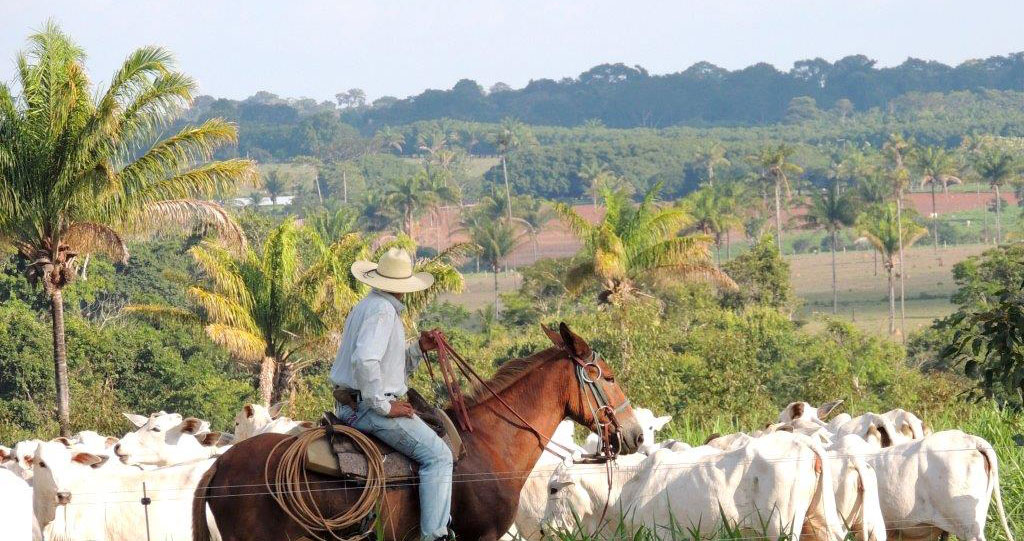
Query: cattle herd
{"type": "Point", "coordinates": [871, 476]}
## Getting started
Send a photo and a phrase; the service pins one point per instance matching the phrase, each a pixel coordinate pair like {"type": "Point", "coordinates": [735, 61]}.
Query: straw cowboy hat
{"type": "Point", "coordinates": [393, 273]}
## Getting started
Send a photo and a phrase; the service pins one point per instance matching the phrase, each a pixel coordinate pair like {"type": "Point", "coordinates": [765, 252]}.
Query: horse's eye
{"type": "Point", "coordinates": [610, 378]}
{"type": "Point", "coordinates": [553, 491]}
{"type": "Point", "coordinates": [42, 464]}
{"type": "Point", "coordinates": [155, 429]}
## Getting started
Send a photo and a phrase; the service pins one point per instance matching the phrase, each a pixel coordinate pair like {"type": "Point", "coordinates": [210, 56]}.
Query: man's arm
{"type": "Point", "coordinates": [371, 343]}
{"type": "Point", "coordinates": [417, 350]}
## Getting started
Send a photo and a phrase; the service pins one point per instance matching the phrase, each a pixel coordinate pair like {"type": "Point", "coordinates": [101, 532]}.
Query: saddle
{"type": "Point", "coordinates": [338, 456]}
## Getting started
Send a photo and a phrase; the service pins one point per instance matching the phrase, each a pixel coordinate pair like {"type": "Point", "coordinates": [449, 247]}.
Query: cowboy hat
{"type": "Point", "coordinates": [393, 273]}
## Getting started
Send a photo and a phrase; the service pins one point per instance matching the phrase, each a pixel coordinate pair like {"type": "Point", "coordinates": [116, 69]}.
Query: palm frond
{"type": "Point", "coordinates": [217, 264]}
{"type": "Point", "coordinates": [242, 345]}
{"type": "Point", "coordinates": [190, 213]}
{"type": "Point", "coordinates": [161, 312]}
{"type": "Point", "coordinates": [89, 237]}
{"type": "Point", "coordinates": [221, 309]}
{"type": "Point", "coordinates": [577, 225]}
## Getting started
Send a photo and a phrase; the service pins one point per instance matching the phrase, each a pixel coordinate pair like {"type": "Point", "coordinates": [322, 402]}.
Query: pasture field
{"type": "Point", "coordinates": [862, 293]}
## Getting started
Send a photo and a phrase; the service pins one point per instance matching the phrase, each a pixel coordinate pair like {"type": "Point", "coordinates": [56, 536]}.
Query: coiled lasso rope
{"type": "Point", "coordinates": [292, 493]}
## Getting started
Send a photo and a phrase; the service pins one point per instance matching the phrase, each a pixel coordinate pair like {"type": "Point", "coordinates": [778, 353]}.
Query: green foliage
{"type": "Point", "coordinates": [631, 243]}
{"type": "Point", "coordinates": [762, 278]}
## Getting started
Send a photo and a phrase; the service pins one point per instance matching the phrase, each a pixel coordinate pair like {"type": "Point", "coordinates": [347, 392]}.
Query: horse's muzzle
{"type": "Point", "coordinates": [631, 437]}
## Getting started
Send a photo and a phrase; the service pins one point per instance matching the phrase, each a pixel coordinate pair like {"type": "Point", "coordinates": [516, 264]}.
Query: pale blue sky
{"type": "Point", "coordinates": [400, 47]}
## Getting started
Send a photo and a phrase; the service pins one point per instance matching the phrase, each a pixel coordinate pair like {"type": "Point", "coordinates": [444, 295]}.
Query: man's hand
{"type": "Point", "coordinates": [401, 409]}
{"type": "Point", "coordinates": [427, 342]}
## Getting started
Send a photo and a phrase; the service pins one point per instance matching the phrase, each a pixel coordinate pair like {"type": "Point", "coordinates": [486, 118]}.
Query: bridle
{"type": "Point", "coordinates": [597, 401]}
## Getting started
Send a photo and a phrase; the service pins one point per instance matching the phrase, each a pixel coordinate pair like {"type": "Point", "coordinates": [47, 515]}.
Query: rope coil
{"type": "Point", "coordinates": [291, 487]}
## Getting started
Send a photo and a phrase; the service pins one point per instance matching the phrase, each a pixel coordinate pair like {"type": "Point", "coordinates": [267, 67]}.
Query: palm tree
{"type": "Point", "coordinates": [495, 240]}
{"type": "Point", "coordinates": [266, 307]}
{"type": "Point", "coordinates": [896, 149]}
{"type": "Point", "coordinates": [882, 229]}
{"type": "Point", "coordinates": [510, 135]}
{"type": "Point", "coordinates": [997, 167]}
{"type": "Point", "coordinates": [775, 170]}
{"type": "Point", "coordinates": [593, 173]}
{"type": "Point", "coordinates": [831, 211]}
{"type": "Point", "coordinates": [938, 168]}
{"type": "Point", "coordinates": [409, 197]}
{"type": "Point", "coordinates": [631, 243]}
{"type": "Point", "coordinates": [713, 210]}
{"type": "Point", "coordinates": [274, 185]}
{"type": "Point", "coordinates": [535, 215]}
{"type": "Point", "coordinates": [390, 139]}
{"type": "Point", "coordinates": [77, 168]}
{"type": "Point", "coordinates": [710, 155]}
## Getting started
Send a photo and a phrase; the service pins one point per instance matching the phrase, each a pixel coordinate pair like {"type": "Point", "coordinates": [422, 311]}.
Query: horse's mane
{"type": "Point", "coordinates": [509, 373]}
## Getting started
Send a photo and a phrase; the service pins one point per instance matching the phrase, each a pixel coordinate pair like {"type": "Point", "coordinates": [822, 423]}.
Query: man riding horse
{"type": "Point", "coordinates": [370, 374]}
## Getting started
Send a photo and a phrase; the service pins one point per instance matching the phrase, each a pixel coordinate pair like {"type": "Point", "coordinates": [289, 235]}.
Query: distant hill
{"type": "Point", "coordinates": [622, 96]}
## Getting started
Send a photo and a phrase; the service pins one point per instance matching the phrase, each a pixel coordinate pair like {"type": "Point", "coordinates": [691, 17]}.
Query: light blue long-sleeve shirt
{"type": "Point", "coordinates": [373, 358]}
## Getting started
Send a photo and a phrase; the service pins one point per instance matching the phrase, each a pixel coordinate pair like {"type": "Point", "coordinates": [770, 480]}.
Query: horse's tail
{"type": "Point", "coordinates": [200, 525]}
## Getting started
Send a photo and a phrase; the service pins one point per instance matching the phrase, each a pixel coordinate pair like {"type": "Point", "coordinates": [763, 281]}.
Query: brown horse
{"type": "Point", "coordinates": [543, 389]}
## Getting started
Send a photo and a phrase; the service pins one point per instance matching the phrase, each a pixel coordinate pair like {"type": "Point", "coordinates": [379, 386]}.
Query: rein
{"type": "Point", "coordinates": [446, 356]}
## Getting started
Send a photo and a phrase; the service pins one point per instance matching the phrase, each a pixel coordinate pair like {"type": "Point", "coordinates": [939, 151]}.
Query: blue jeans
{"type": "Point", "coordinates": [417, 441]}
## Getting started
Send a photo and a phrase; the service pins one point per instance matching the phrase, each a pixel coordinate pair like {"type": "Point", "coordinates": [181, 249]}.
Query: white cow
{"type": "Point", "coordinates": [942, 483]}
{"type": "Point", "coordinates": [856, 487]}
{"type": "Point", "coordinates": [88, 440]}
{"type": "Point", "coordinates": [166, 439]}
{"type": "Point", "coordinates": [876, 429]}
{"type": "Point", "coordinates": [779, 483]}
{"type": "Point", "coordinates": [806, 412]}
{"type": "Point", "coordinates": [534, 495]}
{"type": "Point", "coordinates": [75, 501]}
{"type": "Point", "coordinates": [907, 423]}
{"type": "Point", "coordinates": [838, 421]}
{"type": "Point", "coordinates": [255, 419]}
{"type": "Point", "coordinates": [16, 508]}
{"type": "Point", "coordinates": [650, 424]}
{"type": "Point", "coordinates": [20, 459]}
{"type": "Point", "coordinates": [580, 498]}
{"type": "Point", "coordinates": [854, 481]}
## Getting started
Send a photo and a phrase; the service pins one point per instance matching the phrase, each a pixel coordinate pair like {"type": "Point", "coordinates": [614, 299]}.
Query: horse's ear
{"type": "Point", "coordinates": [576, 345]}
{"type": "Point", "coordinates": [553, 335]}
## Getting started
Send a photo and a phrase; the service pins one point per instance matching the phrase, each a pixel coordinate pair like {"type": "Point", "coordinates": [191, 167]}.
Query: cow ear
{"type": "Point", "coordinates": [135, 419]}
{"type": "Point", "coordinates": [307, 425]}
{"type": "Point", "coordinates": [191, 425]}
{"type": "Point", "coordinates": [249, 411]}
{"type": "Point", "coordinates": [827, 408]}
{"type": "Point", "coordinates": [87, 459]}
{"type": "Point", "coordinates": [553, 335]}
{"type": "Point", "coordinates": [660, 422]}
{"type": "Point", "coordinates": [62, 440]}
{"type": "Point", "coordinates": [796, 409]}
{"type": "Point", "coordinates": [5, 453]}
{"type": "Point", "coordinates": [714, 436]}
{"type": "Point", "coordinates": [210, 439]}
{"type": "Point", "coordinates": [576, 345]}
{"type": "Point", "coordinates": [275, 410]}
{"type": "Point", "coordinates": [111, 441]}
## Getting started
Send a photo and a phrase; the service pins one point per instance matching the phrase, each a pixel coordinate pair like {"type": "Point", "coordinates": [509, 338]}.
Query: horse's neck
{"type": "Point", "coordinates": [540, 398]}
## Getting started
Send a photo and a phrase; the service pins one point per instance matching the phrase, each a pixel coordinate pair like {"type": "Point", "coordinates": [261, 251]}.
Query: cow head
{"type": "Point", "coordinates": [56, 470]}
{"type": "Point", "coordinates": [253, 418]}
{"type": "Point", "coordinates": [568, 501]}
{"type": "Point", "coordinates": [163, 439]}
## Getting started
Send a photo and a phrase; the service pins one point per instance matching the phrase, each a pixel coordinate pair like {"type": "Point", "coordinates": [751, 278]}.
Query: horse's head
{"type": "Point", "coordinates": [595, 399]}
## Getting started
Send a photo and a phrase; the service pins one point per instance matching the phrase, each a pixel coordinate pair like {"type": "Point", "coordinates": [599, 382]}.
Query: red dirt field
{"type": "Point", "coordinates": [555, 240]}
